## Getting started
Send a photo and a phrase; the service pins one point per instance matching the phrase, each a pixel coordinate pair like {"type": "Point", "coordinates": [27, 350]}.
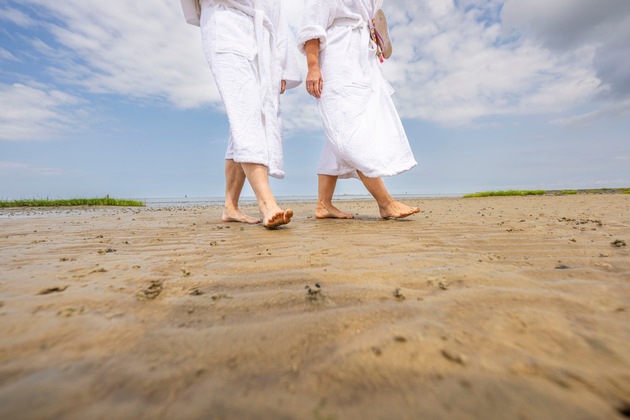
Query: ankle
{"type": "Point", "coordinates": [385, 202]}
{"type": "Point", "coordinates": [324, 203]}
{"type": "Point", "coordinates": [267, 205]}
{"type": "Point", "coordinates": [229, 208]}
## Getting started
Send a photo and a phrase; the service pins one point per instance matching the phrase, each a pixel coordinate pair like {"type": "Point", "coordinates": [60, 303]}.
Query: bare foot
{"type": "Point", "coordinates": [238, 216]}
{"type": "Point", "coordinates": [330, 212]}
{"type": "Point", "coordinates": [277, 218]}
{"type": "Point", "coordinates": [396, 210]}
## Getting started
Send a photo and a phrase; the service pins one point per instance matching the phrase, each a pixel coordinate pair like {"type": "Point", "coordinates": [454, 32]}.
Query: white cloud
{"type": "Point", "coordinates": [6, 55]}
{"type": "Point", "coordinates": [33, 113]}
{"type": "Point", "coordinates": [16, 17]}
{"type": "Point", "coordinates": [135, 49]}
{"type": "Point", "coordinates": [299, 111]}
{"type": "Point", "coordinates": [453, 63]}
{"type": "Point", "coordinates": [567, 25]}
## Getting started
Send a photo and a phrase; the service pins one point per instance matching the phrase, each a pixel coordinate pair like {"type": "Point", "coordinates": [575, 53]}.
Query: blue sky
{"type": "Point", "coordinates": [116, 98]}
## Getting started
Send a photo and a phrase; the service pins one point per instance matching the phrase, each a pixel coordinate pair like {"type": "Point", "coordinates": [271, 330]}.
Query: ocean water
{"type": "Point", "coordinates": [217, 201]}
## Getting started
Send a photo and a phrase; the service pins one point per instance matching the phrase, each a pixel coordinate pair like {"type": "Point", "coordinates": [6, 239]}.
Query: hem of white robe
{"type": "Point", "coordinates": [273, 172]}
{"type": "Point", "coordinates": [369, 174]}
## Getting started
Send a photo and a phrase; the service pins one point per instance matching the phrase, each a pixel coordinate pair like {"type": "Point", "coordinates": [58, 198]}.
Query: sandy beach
{"type": "Point", "coordinates": [504, 307]}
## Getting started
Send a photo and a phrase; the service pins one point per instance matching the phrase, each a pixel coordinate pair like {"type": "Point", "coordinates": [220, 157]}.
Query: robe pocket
{"type": "Point", "coordinates": [357, 88]}
{"type": "Point", "coordinates": [355, 102]}
{"type": "Point", "coordinates": [234, 33]}
{"type": "Point", "coordinates": [342, 107]}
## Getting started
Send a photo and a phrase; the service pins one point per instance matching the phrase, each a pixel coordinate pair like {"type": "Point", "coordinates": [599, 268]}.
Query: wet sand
{"type": "Point", "coordinates": [506, 307]}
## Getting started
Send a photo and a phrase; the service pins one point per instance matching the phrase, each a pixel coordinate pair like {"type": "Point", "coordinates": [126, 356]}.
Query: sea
{"type": "Point", "coordinates": [213, 201]}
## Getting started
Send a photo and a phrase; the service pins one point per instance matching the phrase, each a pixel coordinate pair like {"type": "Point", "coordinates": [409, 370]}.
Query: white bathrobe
{"type": "Point", "coordinates": [362, 127]}
{"type": "Point", "coordinates": [249, 49]}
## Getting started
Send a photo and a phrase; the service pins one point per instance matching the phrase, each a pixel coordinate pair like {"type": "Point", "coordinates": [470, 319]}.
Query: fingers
{"type": "Point", "coordinates": [283, 87]}
{"type": "Point", "coordinates": [314, 87]}
{"type": "Point", "coordinates": [314, 81]}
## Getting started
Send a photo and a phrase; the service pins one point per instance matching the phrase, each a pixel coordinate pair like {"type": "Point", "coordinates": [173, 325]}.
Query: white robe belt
{"type": "Point", "coordinates": [348, 22]}
{"type": "Point", "coordinates": [265, 59]}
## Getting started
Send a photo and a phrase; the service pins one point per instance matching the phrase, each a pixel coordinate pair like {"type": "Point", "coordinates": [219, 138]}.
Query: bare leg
{"type": "Point", "coordinates": [234, 181]}
{"type": "Point", "coordinates": [258, 178]}
{"type": "Point", "coordinates": [387, 206]}
{"type": "Point", "coordinates": [325, 190]}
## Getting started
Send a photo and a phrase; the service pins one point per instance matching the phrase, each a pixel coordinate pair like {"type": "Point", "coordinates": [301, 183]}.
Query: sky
{"type": "Point", "coordinates": [115, 97]}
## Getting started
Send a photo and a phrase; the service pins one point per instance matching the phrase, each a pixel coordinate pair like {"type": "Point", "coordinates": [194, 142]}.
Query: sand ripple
{"type": "Point", "coordinates": [479, 308]}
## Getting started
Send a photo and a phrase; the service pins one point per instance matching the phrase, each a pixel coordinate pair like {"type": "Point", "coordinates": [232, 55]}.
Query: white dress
{"type": "Point", "coordinates": [249, 49]}
{"type": "Point", "coordinates": [362, 127]}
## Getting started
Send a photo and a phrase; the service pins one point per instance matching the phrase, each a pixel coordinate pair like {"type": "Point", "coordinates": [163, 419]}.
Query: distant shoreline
{"type": "Point", "coordinates": [218, 201]}
{"type": "Point", "coordinates": [201, 201]}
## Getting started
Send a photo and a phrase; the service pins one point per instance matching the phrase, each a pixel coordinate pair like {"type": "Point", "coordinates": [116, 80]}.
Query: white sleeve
{"type": "Point", "coordinates": [286, 49]}
{"type": "Point", "coordinates": [318, 15]}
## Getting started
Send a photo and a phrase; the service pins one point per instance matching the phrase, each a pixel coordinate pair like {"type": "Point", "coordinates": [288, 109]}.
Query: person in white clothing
{"type": "Point", "coordinates": [248, 48]}
{"type": "Point", "coordinates": [364, 135]}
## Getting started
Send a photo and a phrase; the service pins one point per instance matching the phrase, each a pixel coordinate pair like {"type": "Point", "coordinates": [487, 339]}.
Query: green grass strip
{"type": "Point", "coordinates": [505, 193]}
{"type": "Point", "coordinates": [549, 192]}
{"type": "Point", "coordinates": [105, 201]}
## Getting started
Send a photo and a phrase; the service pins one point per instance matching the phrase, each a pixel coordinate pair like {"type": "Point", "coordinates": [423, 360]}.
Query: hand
{"type": "Point", "coordinates": [283, 87]}
{"type": "Point", "coordinates": [314, 82]}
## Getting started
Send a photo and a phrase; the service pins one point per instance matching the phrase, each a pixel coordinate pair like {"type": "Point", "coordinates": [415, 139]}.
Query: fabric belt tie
{"type": "Point", "coordinates": [265, 60]}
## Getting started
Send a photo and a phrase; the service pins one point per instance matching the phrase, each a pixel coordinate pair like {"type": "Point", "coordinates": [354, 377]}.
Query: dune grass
{"type": "Point", "coordinates": [105, 201]}
{"type": "Point", "coordinates": [505, 193]}
{"type": "Point", "coordinates": [549, 192]}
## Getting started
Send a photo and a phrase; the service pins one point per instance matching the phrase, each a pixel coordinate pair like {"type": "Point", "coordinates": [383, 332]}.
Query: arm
{"type": "Point", "coordinates": [312, 38]}
{"type": "Point", "coordinates": [314, 80]}
{"type": "Point", "coordinates": [285, 53]}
